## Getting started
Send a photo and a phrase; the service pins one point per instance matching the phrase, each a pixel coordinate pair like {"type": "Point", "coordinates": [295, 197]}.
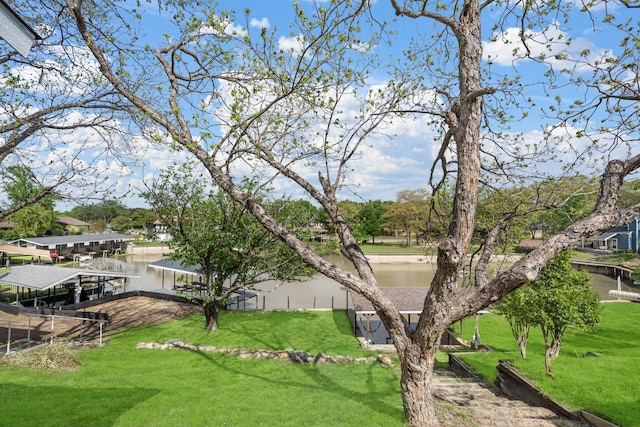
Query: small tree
{"type": "Point", "coordinates": [35, 217]}
{"type": "Point", "coordinates": [212, 231]}
{"type": "Point", "coordinates": [98, 226]}
{"type": "Point", "coordinates": [73, 230]}
{"type": "Point", "coordinates": [517, 308]}
{"type": "Point", "coordinates": [559, 298]}
{"type": "Point", "coordinates": [563, 298]}
{"type": "Point", "coordinates": [121, 223]}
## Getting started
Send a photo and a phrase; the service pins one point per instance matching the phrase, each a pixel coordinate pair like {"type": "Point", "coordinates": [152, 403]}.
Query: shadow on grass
{"type": "Point", "coordinates": [24, 405]}
{"type": "Point", "coordinates": [373, 396]}
{"type": "Point", "coordinates": [269, 338]}
{"type": "Point", "coordinates": [304, 330]}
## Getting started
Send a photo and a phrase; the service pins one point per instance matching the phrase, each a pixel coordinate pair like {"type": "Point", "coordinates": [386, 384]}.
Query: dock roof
{"type": "Point", "coordinates": [408, 300]}
{"type": "Point", "coordinates": [73, 239]}
{"type": "Point", "coordinates": [17, 250]}
{"type": "Point", "coordinates": [41, 277]}
{"type": "Point", "coordinates": [175, 266]}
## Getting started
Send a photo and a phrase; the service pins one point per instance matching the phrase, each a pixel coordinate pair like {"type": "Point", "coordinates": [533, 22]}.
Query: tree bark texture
{"type": "Point", "coordinates": [556, 343]}
{"type": "Point", "coordinates": [520, 331]}
{"type": "Point", "coordinates": [523, 347]}
{"type": "Point", "coordinates": [547, 349]}
{"type": "Point", "coordinates": [211, 310]}
{"type": "Point", "coordinates": [416, 383]}
{"type": "Point", "coordinates": [547, 360]}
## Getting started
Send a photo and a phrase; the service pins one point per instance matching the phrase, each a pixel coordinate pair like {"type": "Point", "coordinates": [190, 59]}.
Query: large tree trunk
{"type": "Point", "coordinates": [211, 311]}
{"type": "Point", "coordinates": [416, 381]}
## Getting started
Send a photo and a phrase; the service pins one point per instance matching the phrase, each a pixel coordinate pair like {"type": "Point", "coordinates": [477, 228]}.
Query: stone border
{"type": "Point", "coordinates": [293, 356]}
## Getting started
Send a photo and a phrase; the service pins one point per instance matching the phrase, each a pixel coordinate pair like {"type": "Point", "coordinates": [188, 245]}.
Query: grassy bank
{"type": "Point", "coordinates": [596, 371]}
{"type": "Point", "coordinates": [118, 385]}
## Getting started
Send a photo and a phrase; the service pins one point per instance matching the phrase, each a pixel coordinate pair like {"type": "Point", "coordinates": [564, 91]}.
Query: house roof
{"type": "Point", "coordinates": [609, 234]}
{"type": "Point", "coordinates": [69, 220]}
{"type": "Point", "coordinates": [41, 277]}
{"type": "Point", "coordinates": [80, 238]}
{"type": "Point", "coordinates": [531, 243]}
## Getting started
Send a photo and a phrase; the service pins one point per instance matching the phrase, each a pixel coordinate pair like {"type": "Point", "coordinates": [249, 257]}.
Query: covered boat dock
{"type": "Point", "coordinates": [409, 300]}
{"type": "Point", "coordinates": [37, 255]}
{"type": "Point", "coordinates": [192, 283]}
{"type": "Point", "coordinates": [410, 303]}
{"type": "Point", "coordinates": [44, 282]}
{"type": "Point", "coordinates": [38, 282]}
{"type": "Point", "coordinates": [80, 284]}
{"type": "Point", "coordinates": [70, 246]}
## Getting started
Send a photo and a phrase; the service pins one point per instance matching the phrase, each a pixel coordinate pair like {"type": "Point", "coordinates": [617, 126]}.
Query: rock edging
{"type": "Point", "coordinates": [293, 356]}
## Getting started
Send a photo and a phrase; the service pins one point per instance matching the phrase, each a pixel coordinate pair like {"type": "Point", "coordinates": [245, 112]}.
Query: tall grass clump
{"type": "Point", "coordinates": [51, 357]}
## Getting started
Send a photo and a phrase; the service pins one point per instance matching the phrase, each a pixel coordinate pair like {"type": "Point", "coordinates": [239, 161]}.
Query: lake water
{"type": "Point", "coordinates": [319, 291]}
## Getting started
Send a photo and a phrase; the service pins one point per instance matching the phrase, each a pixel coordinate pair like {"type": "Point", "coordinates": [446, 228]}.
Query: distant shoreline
{"type": "Point", "coordinates": [400, 259]}
{"type": "Point", "coordinates": [148, 250]}
{"type": "Point", "coordinates": [427, 259]}
{"type": "Point", "coordinates": [373, 258]}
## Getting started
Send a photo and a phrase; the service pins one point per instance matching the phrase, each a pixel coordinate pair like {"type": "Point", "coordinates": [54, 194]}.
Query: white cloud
{"type": "Point", "coordinates": [294, 44]}
{"type": "Point", "coordinates": [259, 23]}
{"type": "Point", "coordinates": [399, 157]}
{"type": "Point", "coordinates": [235, 30]}
{"type": "Point", "coordinates": [160, 157]}
{"type": "Point", "coordinates": [70, 71]}
{"type": "Point", "coordinates": [555, 46]}
{"type": "Point", "coordinates": [224, 26]}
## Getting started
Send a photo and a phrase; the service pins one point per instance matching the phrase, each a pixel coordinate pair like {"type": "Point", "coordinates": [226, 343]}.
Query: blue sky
{"type": "Point", "coordinates": [400, 160]}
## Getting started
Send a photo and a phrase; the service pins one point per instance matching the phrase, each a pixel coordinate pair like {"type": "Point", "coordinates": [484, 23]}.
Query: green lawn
{"type": "Point", "coordinates": [607, 384]}
{"type": "Point", "coordinates": [118, 385]}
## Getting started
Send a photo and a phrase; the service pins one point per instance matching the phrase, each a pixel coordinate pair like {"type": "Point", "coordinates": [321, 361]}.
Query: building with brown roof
{"type": "Point", "coordinates": [67, 221]}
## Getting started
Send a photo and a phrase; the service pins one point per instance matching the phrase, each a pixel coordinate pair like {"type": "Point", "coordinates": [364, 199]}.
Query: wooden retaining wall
{"type": "Point", "coordinates": [512, 383]}
{"type": "Point", "coordinates": [610, 270]}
